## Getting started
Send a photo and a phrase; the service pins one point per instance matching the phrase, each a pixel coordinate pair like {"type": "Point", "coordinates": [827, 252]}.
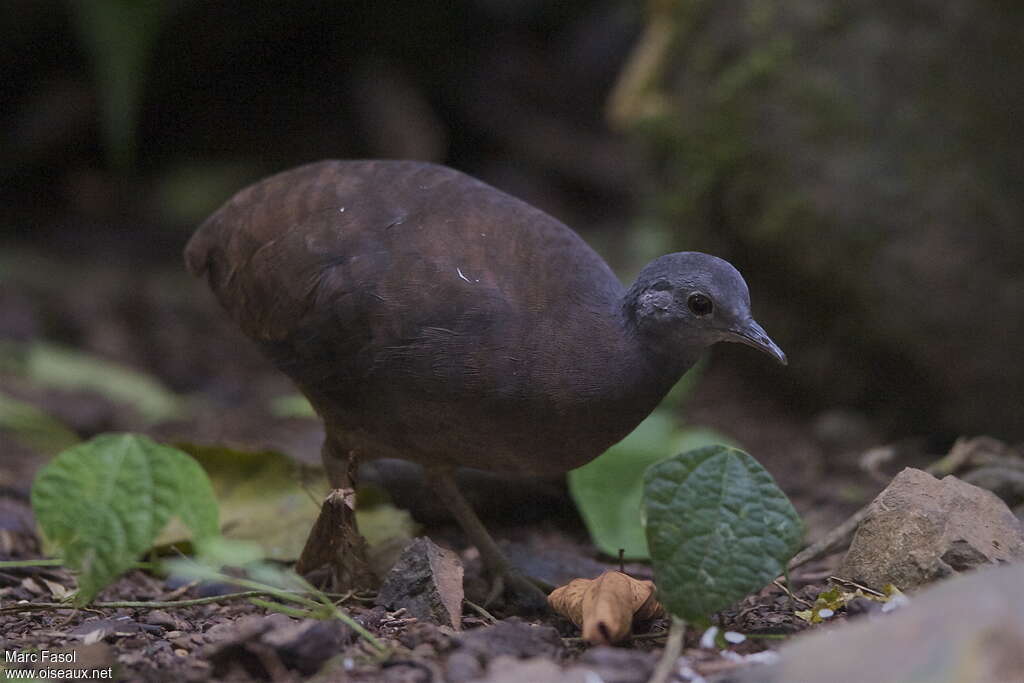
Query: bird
{"type": "Point", "coordinates": [429, 316]}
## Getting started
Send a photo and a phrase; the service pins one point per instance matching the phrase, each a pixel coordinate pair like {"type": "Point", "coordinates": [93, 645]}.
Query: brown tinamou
{"type": "Point", "coordinates": [431, 317]}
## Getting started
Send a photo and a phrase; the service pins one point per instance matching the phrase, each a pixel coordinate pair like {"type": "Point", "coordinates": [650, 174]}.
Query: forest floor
{"type": "Point", "coordinates": [167, 327]}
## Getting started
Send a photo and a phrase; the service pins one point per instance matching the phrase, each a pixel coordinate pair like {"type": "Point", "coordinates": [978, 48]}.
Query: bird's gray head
{"type": "Point", "coordinates": [683, 302]}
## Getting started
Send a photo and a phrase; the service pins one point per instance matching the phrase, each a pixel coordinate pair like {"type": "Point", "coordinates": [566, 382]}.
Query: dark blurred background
{"type": "Point", "coordinates": [860, 163]}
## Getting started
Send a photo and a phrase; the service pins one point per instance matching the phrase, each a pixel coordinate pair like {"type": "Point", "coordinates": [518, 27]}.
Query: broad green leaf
{"type": "Point", "coordinates": [718, 528]}
{"type": "Point", "coordinates": [34, 428]}
{"type": "Point", "coordinates": [608, 490]}
{"type": "Point", "coordinates": [265, 497]}
{"type": "Point", "coordinates": [103, 503]}
{"type": "Point", "coordinates": [62, 368]}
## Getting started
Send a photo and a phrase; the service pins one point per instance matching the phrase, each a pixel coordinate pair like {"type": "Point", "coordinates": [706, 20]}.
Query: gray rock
{"type": "Point", "coordinates": [513, 637]}
{"type": "Point", "coordinates": [266, 646]}
{"type": "Point", "coordinates": [607, 664]}
{"type": "Point", "coordinates": [507, 669]}
{"type": "Point", "coordinates": [920, 529]}
{"type": "Point", "coordinates": [970, 628]}
{"type": "Point", "coordinates": [427, 582]}
{"type": "Point", "coordinates": [510, 639]}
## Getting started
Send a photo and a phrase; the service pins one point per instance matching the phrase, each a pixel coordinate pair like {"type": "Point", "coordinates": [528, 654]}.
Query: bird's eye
{"type": "Point", "coordinates": [700, 305]}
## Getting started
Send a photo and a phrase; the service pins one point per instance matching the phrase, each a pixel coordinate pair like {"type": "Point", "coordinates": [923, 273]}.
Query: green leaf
{"type": "Point", "coordinates": [62, 368]}
{"type": "Point", "coordinates": [608, 490]}
{"type": "Point", "coordinates": [718, 528]}
{"type": "Point", "coordinates": [103, 503]}
{"type": "Point", "coordinates": [34, 428]}
{"type": "Point", "coordinates": [265, 497]}
{"type": "Point", "coordinates": [292, 405]}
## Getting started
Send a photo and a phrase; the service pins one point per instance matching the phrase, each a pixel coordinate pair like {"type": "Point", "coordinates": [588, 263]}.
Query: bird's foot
{"type": "Point", "coordinates": [520, 592]}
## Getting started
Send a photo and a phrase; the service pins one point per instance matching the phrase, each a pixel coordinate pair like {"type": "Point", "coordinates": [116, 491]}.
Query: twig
{"type": "Point", "coordinates": [669, 657]}
{"type": "Point", "coordinates": [283, 609]}
{"type": "Point", "coordinates": [134, 604]}
{"type": "Point", "coordinates": [832, 541]}
{"type": "Point", "coordinates": [481, 611]}
{"type": "Point", "coordinates": [181, 590]}
{"type": "Point", "coordinates": [574, 640]}
{"type": "Point", "coordinates": [635, 94]}
{"type": "Point", "coordinates": [650, 636]}
{"type": "Point", "coordinates": [848, 583]}
{"type": "Point", "coordinates": [14, 564]}
{"type": "Point", "coordinates": [58, 562]}
{"type": "Point", "coordinates": [788, 592]}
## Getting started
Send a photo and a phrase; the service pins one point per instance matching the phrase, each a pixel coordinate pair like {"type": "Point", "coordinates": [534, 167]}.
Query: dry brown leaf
{"type": "Point", "coordinates": [605, 608]}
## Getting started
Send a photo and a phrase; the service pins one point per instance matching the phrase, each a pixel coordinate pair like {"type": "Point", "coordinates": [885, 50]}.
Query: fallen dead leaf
{"type": "Point", "coordinates": [57, 590]}
{"type": "Point", "coordinates": [606, 608]}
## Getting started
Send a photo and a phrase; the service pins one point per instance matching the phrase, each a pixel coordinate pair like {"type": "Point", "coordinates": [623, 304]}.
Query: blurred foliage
{"type": "Point", "coordinates": [57, 367]}
{"type": "Point", "coordinates": [859, 164]}
{"type": "Point", "coordinates": [189, 192]}
{"type": "Point", "coordinates": [119, 36]}
{"type": "Point", "coordinates": [265, 497]}
{"type": "Point", "coordinates": [33, 428]}
{"type": "Point", "coordinates": [291, 405]}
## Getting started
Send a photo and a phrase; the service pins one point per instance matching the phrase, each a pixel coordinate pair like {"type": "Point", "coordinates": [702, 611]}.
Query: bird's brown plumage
{"type": "Point", "coordinates": [430, 316]}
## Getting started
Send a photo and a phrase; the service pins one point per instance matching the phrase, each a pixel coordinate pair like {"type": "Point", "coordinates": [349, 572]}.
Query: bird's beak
{"type": "Point", "coordinates": [752, 334]}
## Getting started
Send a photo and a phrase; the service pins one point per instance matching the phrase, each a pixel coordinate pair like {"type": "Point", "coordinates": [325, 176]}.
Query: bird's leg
{"type": "Point", "coordinates": [524, 593]}
{"type": "Point", "coordinates": [335, 541]}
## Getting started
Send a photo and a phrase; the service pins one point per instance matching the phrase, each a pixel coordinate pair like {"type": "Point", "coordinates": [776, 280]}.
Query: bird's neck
{"type": "Point", "coordinates": [629, 372]}
{"type": "Point", "coordinates": [666, 358]}
{"type": "Point", "coordinates": [622, 382]}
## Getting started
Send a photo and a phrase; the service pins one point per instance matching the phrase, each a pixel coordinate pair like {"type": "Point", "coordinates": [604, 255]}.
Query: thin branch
{"type": "Point", "coordinates": [481, 611]}
{"type": "Point", "coordinates": [833, 540]}
{"type": "Point", "coordinates": [135, 604]}
{"type": "Point", "coordinates": [654, 635]}
{"type": "Point", "coordinates": [15, 564]}
{"type": "Point", "coordinates": [788, 592]}
{"type": "Point", "coordinates": [58, 562]}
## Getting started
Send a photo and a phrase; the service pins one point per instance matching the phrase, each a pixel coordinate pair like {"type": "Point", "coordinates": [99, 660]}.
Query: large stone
{"type": "Point", "coordinates": [970, 628]}
{"type": "Point", "coordinates": [427, 582]}
{"type": "Point", "coordinates": [921, 528]}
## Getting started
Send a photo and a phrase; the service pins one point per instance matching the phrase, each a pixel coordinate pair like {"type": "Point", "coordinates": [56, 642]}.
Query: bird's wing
{"type": "Point", "coordinates": [342, 267]}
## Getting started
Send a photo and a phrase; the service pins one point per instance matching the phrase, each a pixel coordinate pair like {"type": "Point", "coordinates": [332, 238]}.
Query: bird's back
{"type": "Point", "coordinates": [407, 297]}
{"type": "Point", "coordinates": [426, 241]}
